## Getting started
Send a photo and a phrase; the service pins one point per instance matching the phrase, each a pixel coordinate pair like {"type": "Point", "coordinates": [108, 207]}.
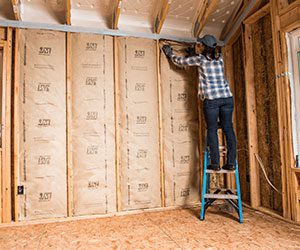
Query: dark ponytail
{"type": "Point", "coordinates": [211, 53]}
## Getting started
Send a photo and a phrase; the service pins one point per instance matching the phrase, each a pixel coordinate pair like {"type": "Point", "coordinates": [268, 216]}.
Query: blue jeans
{"type": "Point", "coordinates": [220, 109]}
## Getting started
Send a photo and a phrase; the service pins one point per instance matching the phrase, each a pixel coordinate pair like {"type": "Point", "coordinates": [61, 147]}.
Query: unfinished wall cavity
{"type": "Point", "coordinates": [93, 129]}
{"type": "Point", "coordinates": [42, 120]}
{"type": "Point", "coordinates": [241, 117]}
{"type": "Point", "coordinates": [266, 112]}
{"type": "Point", "coordinates": [138, 124]}
{"type": "Point", "coordinates": [180, 130]}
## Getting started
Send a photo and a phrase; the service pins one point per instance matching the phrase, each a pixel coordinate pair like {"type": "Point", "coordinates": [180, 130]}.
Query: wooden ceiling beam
{"type": "Point", "coordinates": [116, 13]}
{"type": "Point", "coordinates": [247, 9]}
{"type": "Point", "coordinates": [205, 10]}
{"type": "Point", "coordinates": [68, 12]}
{"type": "Point", "coordinates": [16, 9]}
{"type": "Point", "coordinates": [200, 12]}
{"type": "Point", "coordinates": [237, 12]}
{"type": "Point", "coordinates": [161, 15]}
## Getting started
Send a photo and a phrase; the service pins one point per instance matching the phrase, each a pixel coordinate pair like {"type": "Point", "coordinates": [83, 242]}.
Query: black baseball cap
{"type": "Point", "coordinates": [209, 41]}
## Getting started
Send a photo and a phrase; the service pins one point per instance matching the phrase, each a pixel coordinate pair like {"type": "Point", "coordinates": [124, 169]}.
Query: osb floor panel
{"type": "Point", "coordinates": [174, 229]}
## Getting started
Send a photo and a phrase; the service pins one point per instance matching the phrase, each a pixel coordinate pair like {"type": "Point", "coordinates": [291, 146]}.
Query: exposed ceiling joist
{"type": "Point", "coordinates": [233, 18]}
{"type": "Point", "coordinates": [251, 7]}
{"type": "Point", "coordinates": [68, 12]}
{"type": "Point", "coordinates": [175, 18]}
{"type": "Point", "coordinates": [16, 9]}
{"type": "Point", "coordinates": [255, 6]}
{"type": "Point", "coordinates": [238, 13]}
{"type": "Point", "coordinates": [161, 15]}
{"type": "Point", "coordinates": [200, 12]}
{"type": "Point", "coordinates": [116, 13]}
{"type": "Point", "coordinates": [207, 8]}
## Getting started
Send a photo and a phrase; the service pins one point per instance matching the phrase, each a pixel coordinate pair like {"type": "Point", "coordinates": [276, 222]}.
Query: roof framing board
{"type": "Point", "coordinates": [68, 12]}
{"type": "Point", "coordinates": [206, 9]}
{"type": "Point", "coordinates": [161, 15]}
{"type": "Point", "coordinates": [117, 4]}
{"type": "Point", "coordinates": [16, 9]}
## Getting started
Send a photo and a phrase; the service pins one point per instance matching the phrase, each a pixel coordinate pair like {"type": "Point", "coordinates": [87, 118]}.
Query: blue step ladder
{"type": "Point", "coordinates": [225, 194]}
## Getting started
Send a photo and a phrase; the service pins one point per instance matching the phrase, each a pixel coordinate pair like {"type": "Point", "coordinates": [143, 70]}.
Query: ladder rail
{"type": "Point", "coordinates": [238, 190]}
{"type": "Point", "coordinates": [208, 198]}
{"type": "Point", "coordinates": [204, 185]}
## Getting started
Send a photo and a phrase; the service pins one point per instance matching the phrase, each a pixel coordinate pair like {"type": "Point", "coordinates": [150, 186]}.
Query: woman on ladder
{"type": "Point", "coordinates": [214, 89]}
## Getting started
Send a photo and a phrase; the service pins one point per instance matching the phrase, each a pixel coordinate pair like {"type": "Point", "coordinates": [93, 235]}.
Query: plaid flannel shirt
{"type": "Point", "coordinates": [212, 81]}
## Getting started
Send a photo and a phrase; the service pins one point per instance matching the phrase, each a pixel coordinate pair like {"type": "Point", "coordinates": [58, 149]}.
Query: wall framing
{"type": "Point", "coordinates": [283, 20]}
{"type": "Point", "coordinates": [237, 82]}
{"type": "Point", "coordinates": [252, 113]}
{"type": "Point", "coordinates": [287, 18]}
{"type": "Point", "coordinates": [5, 172]}
{"type": "Point", "coordinates": [16, 132]}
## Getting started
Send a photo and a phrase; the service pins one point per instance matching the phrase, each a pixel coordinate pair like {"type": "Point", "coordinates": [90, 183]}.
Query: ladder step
{"type": "Point", "coordinates": [223, 189]}
{"type": "Point", "coordinates": [222, 171]}
{"type": "Point", "coordinates": [221, 196]}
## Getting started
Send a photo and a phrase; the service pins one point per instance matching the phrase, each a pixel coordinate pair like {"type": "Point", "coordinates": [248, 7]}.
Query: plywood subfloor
{"type": "Point", "coordinates": [174, 229]}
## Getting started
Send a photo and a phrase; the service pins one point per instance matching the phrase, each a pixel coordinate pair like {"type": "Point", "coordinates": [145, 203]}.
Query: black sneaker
{"type": "Point", "coordinates": [229, 167]}
{"type": "Point", "coordinates": [214, 167]}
